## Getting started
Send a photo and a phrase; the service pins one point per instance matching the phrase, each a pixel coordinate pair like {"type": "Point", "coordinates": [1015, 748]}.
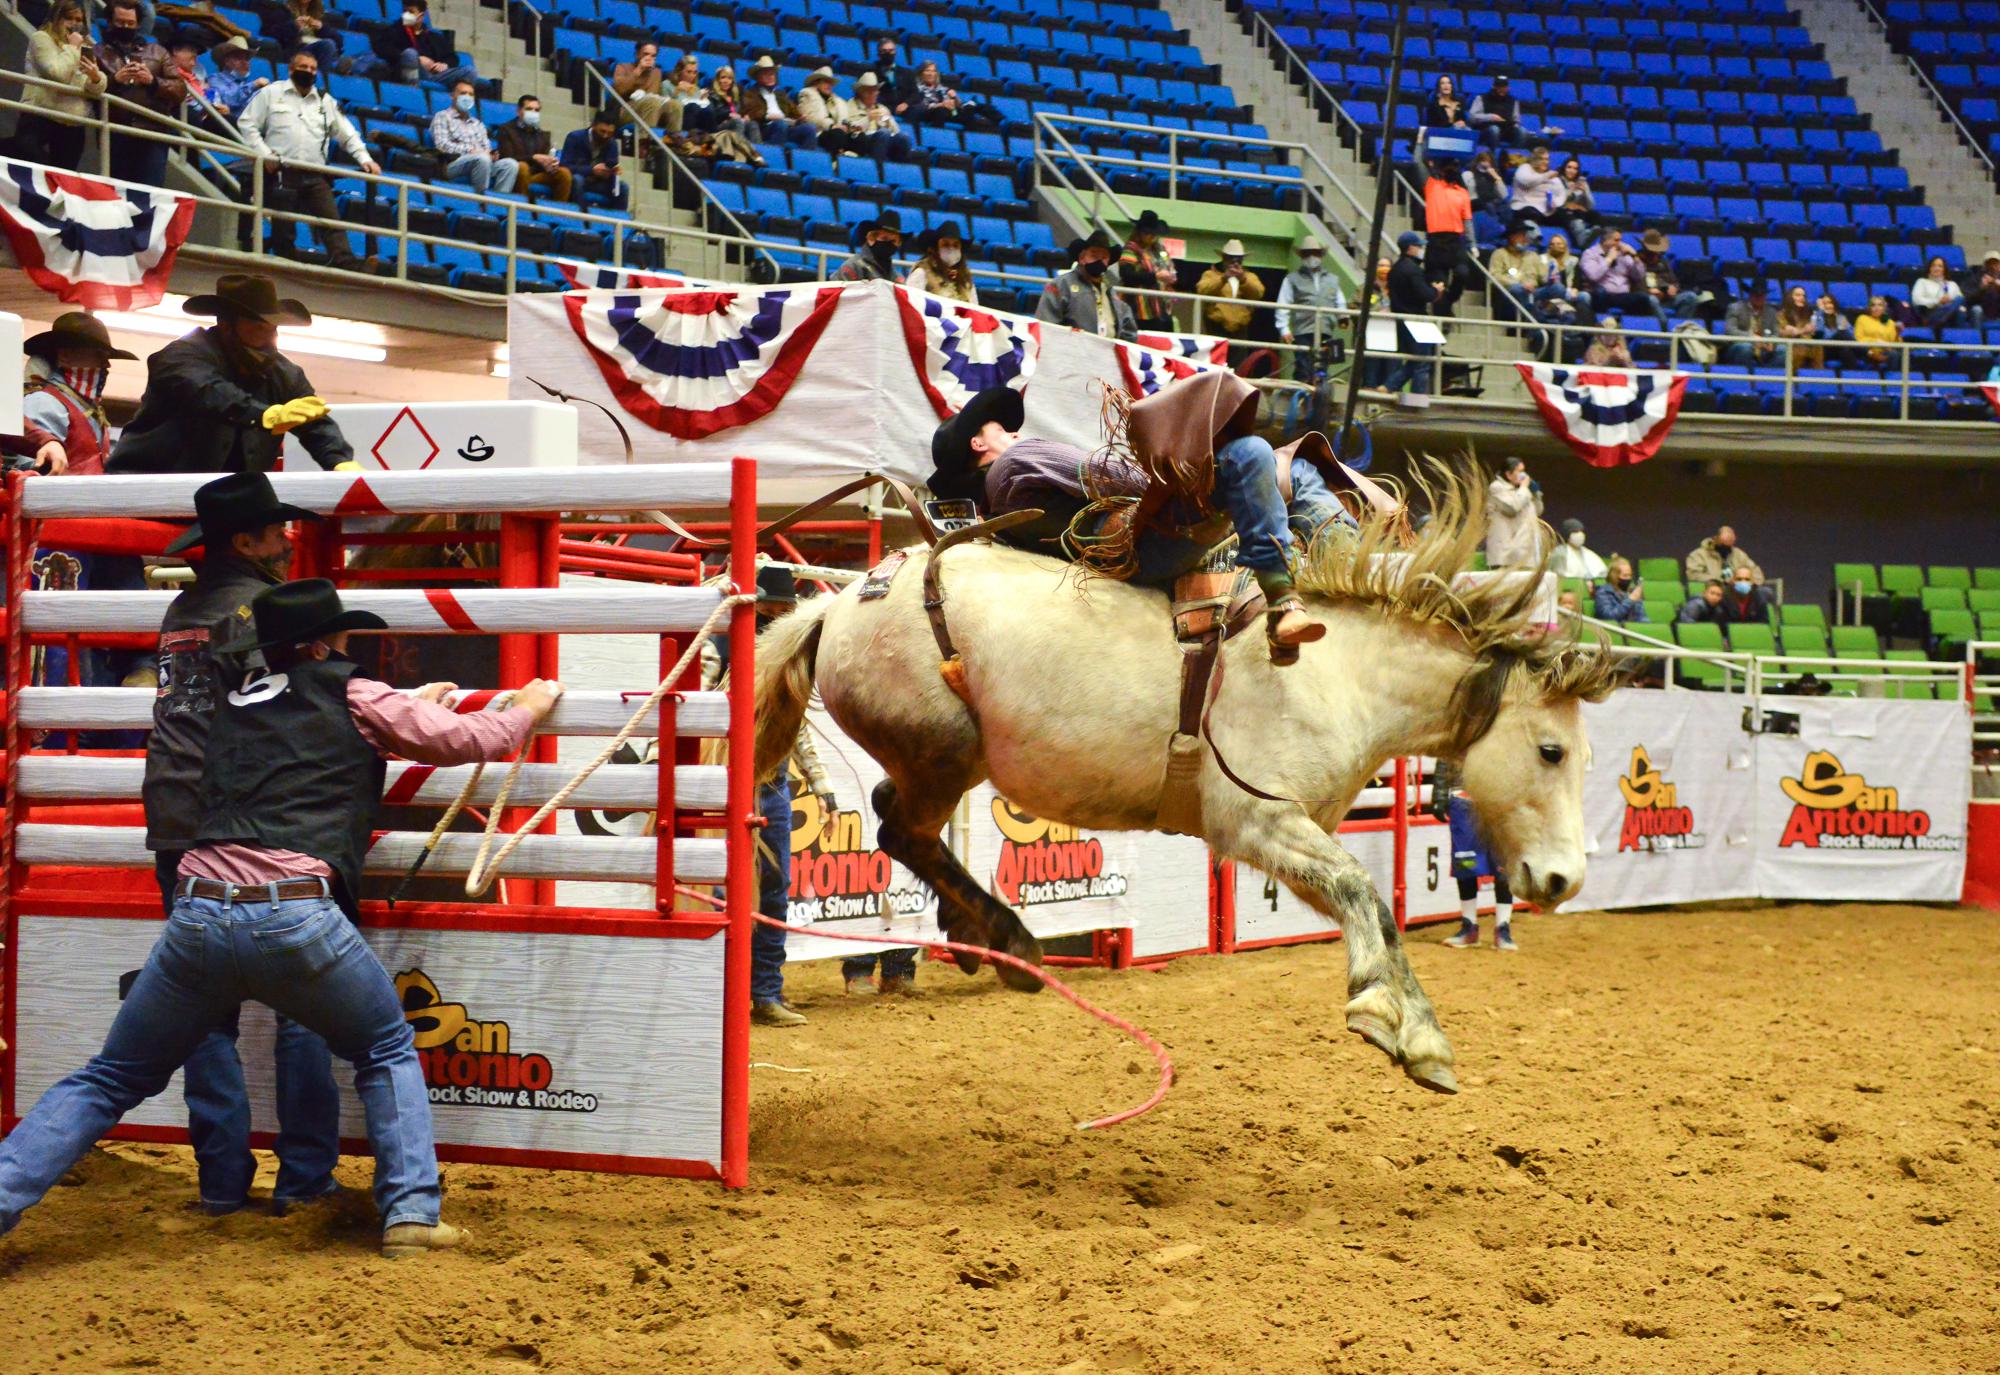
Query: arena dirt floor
{"type": "Point", "coordinates": [1761, 1139]}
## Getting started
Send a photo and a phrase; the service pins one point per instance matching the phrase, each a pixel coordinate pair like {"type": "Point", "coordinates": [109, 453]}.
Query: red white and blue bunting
{"type": "Point", "coordinates": [1608, 416]}
{"type": "Point", "coordinates": [695, 363]}
{"type": "Point", "coordinates": [600, 277]}
{"type": "Point", "coordinates": [102, 245]}
{"type": "Point", "coordinates": [1146, 369]}
{"type": "Point", "coordinates": [960, 350]}
{"type": "Point", "coordinates": [1202, 346]}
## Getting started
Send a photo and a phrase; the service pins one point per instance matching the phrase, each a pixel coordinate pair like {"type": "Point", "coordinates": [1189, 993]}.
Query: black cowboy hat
{"type": "Point", "coordinates": [1097, 238]}
{"type": "Point", "coordinates": [247, 293]}
{"type": "Point", "coordinates": [1149, 222]}
{"type": "Point", "coordinates": [777, 585]}
{"type": "Point", "coordinates": [76, 329]}
{"type": "Point", "coordinates": [293, 612]}
{"type": "Point", "coordinates": [926, 243]}
{"type": "Point", "coordinates": [954, 474]}
{"type": "Point", "coordinates": [1520, 224]}
{"type": "Point", "coordinates": [234, 505]}
{"type": "Point", "coordinates": [887, 219]}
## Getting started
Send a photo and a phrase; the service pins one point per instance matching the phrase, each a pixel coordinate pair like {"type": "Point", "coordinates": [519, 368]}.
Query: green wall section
{"type": "Point", "coordinates": [1268, 235]}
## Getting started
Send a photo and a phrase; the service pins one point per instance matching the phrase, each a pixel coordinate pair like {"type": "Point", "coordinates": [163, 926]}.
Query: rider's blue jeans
{"type": "Point", "coordinates": [1246, 489]}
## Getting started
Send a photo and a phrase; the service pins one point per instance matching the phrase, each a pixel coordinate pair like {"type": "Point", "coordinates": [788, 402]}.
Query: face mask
{"type": "Point", "coordinates": [531, 118]}
{"type": "Point", "coordinates": [87, 383]}
{"type": "Point", "coordinates": [1310, 262]}
{"type": "Point", "coordinates": [1576, 540]}
{"type": "Point", "coordinates": [411, 19]}
{"type": "Point", "coordinates": [949, 256]}
{"type": "Point", "coordinates": [243, 359]}
{"type": "Point", "coordinates": [888, 57]}
{"type": "Point", "coordinates": [122, 38]}
{"type": "Point", "coordinates": [463, 103]}
{"type": "Point", "coordinates": [1093, 269]}
{"type": "Point", "coordinates": [883, 250]}
{"type": "Point", "coordinates": [304, 81]}
{"type": "Point", "coordinates": [1742, 588]}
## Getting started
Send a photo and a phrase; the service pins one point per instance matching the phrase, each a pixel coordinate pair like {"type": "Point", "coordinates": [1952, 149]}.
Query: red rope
{"type": "Point", "coordinates": [1110, 1019]}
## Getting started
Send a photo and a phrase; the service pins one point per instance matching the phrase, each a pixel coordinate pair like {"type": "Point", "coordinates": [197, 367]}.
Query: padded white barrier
{"type": "Point", "coordinates": [610, 609]}
{"type": "Point", "coordinates": [703, 714]}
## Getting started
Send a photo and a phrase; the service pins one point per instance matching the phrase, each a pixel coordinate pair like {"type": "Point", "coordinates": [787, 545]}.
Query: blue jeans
{"type": "Point", "coordinates": [483, 173]}
{"type": "Point", "coordinates": [1246, 488]}
{"type": "Point", "coordinates": [896, 964]}
{"type": "Point", "coordinates": [305, 960]}
{"type": "Point", "coordinates": [774, 893]}
{"type": "Point", "coordinates": [408, 69]}
{"type": "Point", "coordinates": [1415, 372]}
{"type": "Point", "coordinates": [218, 1104]}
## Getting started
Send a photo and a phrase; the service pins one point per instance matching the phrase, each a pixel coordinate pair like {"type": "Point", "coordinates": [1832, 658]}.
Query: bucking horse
{"type": "Point", "coordinates": [1071, 699]}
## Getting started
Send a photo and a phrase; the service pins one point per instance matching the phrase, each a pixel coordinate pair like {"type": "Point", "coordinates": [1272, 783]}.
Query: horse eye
{"type": "Point", "coordinates": [1552, 754]}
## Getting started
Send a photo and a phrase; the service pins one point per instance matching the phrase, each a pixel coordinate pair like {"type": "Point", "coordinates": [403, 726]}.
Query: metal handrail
{"type": "Point", "coordinates": [1101, 189]}
{"type": "Point", "coordinates": [1881, 21]}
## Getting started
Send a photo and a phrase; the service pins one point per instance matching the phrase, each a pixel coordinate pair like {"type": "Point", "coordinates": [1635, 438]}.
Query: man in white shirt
{"type": "Point", "coordinates": [293, 122]}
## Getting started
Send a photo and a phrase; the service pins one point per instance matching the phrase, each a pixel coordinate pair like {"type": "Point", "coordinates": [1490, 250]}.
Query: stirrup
{"type": "Point", "coordinates": [1285, 652]}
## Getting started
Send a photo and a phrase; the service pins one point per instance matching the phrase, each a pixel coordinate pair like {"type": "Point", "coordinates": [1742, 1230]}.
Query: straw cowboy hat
{"type": "Point", "coordinates": [820, 74]}
{"type": "Point", "coordinates": [955, 475]}
{"type": "Point", "coordinates": [1653, 241]}
{"type": "Point", "coordinates": [76, 329]}
{"type": "Point", "coordinates": [867, 81]}
{"type": "Point", "coordinates": [247, 293]}
{"type": "Point", "coordinates": [1182, 425]}
{"type": "Point", "coordinates": [1310, 244]}
{"type": "Point", "coordinates": [294, 612]}
{"type": "Point", "coordinates": [235, 43]}
{"type": "Point", "coordinates": [235, 505]}
{"type": "Point", "coordinates": [1234, 249]}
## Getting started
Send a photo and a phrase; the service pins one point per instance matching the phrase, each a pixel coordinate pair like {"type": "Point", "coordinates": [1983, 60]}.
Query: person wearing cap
{"type": "Point", "coordinates": [232, 86]}
{"type": "Point", "coordinates": [1522, 273]}
{"type": "Point", "coordinates": [222, 399]}
{"type": "Point", "coordinates": [1083, 299]}
{"type": "Point", "coordinates": [1663, 281]}
{"type": "Point", "coordinates": [1227, 282]}
{"type": "Point", "coordinates": [294, 122]}
{"type": "Point", "coordinates": [591, 155]}
{"type": "Point", "coordinates": [1498, 117]}
{"type": "Point", "coordinates": [874, 257]}
{"type": "Point", "coordinates": [1573, 557]}
{"type": "Point", "coordinates": [1411, 292]}
{"type": "Point", "coordinates": [773, 113]}
{"type": "Point", "coordinates": [67, 367]}
{"type": "Point", "coordinates": [1617, 279]}
{"type": "Point", "coordinates": [871, 129]}
{"type": "Point", "coordinates": [241, 531]}
{"type": "Point", "coordinates": [1309, 284]}
{"type": "Point", "coordinates": [1204, 421]}
{"type": "Point", "coordinates": [1145, 264]}
{"type": "Point", "coordinates": [1754, 323]}
{"type": "Point", "coordinates": [941, 266]}
{"type": "Point", "coordinates": [291, 782]}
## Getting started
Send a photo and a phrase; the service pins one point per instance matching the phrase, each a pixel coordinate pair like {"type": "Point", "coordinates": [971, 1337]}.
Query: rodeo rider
{"type": "Point", "coordinates": [264, 900]}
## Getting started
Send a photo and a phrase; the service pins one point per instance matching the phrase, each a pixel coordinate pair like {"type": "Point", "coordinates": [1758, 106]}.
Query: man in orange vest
{"type": "Point", "coordinates": [1448, 225]}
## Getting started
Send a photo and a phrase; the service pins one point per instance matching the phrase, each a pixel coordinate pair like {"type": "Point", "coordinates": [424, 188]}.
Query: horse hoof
{"type": "Point", "coordinates": [967, 962]}
{"type": "Point", "coordinates": [1434, 1075]}
{"type": "Point", "coordinates": [1374, 1031]}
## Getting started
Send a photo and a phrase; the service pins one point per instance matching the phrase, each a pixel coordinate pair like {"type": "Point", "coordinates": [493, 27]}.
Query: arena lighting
{"type": "Point", "coordinates": [327, 337]}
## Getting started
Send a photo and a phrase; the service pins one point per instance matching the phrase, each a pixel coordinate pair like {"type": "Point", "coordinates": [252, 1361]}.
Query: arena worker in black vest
{"type": "Point", "coordinates": [289, 794]}
{"type": "Point", "coordinates": [241, 532]}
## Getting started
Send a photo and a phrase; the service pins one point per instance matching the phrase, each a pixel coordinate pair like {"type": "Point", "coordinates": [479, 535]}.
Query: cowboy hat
{"type": "Point", "coordinates": [1520, 224]}
{"type": "Point", "coordinates": [1184, 424]}
{"type": "Point", "coordinates": [1653, 241]}
{"type": "Point", "coordinates": [235, 505]}
{"type": "Point", "coordinates": [1097, 238]}
{"type": "Point", "coordinates": [294, 612]}
{"type": "Point", "coordinates": [235, 43]}
{"type": "Point", "coordinates": [867, 81]}
{"type": "Point", "coordinates": [248, 293]}
{"type": "Point", "coordinates": [1310, 244]}
{"type": "Point", "coordinates": [75, 329]}
{"type": "Point", "coordinates": [954, 472]}
{"type": "Point", "coordinates": [1233, 249]}
{"type": "Point", "coordinates": [820, 74]}
{"type": "Point", "coordinates": [888, 219]}
{"type": "Point", "coordinates": [1149, 222]}
{"type": "Point", "coordinates": [763, 64]}
{"type": "Point", "coordinates": [1317, 449]}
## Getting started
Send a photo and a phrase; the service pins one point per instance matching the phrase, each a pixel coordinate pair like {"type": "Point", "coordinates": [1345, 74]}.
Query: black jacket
{"type": "Point", "coordinates": [391, 40]}
{"type": "Point", "coordinates": [197, 416]}
{"type": "Point", "coordinates": [1410, 293]}
{"type": "Point", "coordinates": [214, 609]}
{"type": "Point", "coordinates": [517, 141]}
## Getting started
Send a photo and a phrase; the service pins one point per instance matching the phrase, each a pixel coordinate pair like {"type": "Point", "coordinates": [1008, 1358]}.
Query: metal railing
{"type": "Point", "coordinates": [1757, 674]}
{"type": "Point", "coordinates": [1985, 724]}
{"type": "Point", "coordinates": [1938, 97]}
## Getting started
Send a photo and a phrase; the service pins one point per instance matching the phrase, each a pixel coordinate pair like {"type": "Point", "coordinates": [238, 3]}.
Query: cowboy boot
{"type": "Point", "coordinates": [1287, 626]}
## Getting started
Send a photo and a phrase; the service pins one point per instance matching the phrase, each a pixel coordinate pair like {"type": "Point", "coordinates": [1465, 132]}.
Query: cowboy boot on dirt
{"type": "Point", "coordinates": [408, 1239]}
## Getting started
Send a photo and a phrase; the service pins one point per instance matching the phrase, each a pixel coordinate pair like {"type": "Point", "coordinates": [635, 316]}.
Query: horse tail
{"type": "Point", "coordinates": [786, 652]}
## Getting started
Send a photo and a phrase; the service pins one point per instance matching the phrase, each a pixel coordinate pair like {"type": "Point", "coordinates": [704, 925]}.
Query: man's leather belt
{"type": "Point", "coordinates": [284, 890]}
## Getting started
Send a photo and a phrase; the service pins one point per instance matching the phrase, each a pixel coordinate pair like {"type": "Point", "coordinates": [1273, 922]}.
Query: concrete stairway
{"type": "Point", "coordinates": [1956, 182]}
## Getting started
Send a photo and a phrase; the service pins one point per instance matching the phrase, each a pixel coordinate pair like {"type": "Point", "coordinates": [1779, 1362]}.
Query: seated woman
{"type": "Point", "coordinates": [1937, 299]}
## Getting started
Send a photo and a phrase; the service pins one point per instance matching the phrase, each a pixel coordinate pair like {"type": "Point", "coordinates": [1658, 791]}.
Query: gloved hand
{"type": "Point", "coordinates": [348, 467]}
{"type": "Point", "coordinates": [289, 415]}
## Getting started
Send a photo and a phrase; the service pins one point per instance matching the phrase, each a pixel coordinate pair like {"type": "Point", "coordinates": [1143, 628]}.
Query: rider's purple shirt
{"type": "Point", "coordinates": [1034, 466]}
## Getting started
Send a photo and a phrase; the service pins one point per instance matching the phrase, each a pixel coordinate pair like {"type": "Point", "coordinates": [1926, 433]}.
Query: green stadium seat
{"type": "Point", "coordinates": [1698, 635]}
{"type": "Point", "coordinates": [1661, 612]}
{"type": "Point", "coordinates": [1857, 642]}
{"type": "Point", "coordinates": [1989, 625]}
{"type": "Point", "coordinates": [1904, 579]}
{"type": "Point", "coordinates": [1988, 578]}
{"type": "Point", "coordinates": [1943, 575]}
{"type": "Point", "coordinates": [1748, 637]}
{"type": "Point", "coordinates": [1666, 590]}
{"type": "Point", "coordinates": [1801, 614]}
{"type": "Point", "coordinates": [1846, 575]}
{"type": "Point", "coordinates": [1806, 641]}
{"type": "Point", "coordinates": [1659, 570]}
{"type": "Point", "coordinates": [1980, 600]}
{"type": "Point", "coordinates": [1950, 630]}
{"type": "Point", "coordinates": [1916, 692]}
{"type": "Point", "coordinates": [1937, 598]}
{"type": "Point", "coordinates": [1703, 636]}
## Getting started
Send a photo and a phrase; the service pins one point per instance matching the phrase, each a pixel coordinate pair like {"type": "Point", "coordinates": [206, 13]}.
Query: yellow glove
{"type": "Point", "coordinates": [348, 467]}
{"type": "Point", "coordinates": [289, 415]}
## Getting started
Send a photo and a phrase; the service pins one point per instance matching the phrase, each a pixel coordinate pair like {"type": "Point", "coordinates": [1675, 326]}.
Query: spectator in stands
{"type": "Point", "coordinates": [874, 259]}
{"type": "Point", "coordinates": [1705, 606]}
{"type": "Point", "coordinates": [1876, 327]}
{"type": "Point", "coordinates": [725, 105]}
{"type": "Point", "coordinates": [417, 52]}
{"type": "Point", "coordinates": [461, 136]}
{"type": "Point", "coordinates": [1566, 602]}
{"type": "Point", "coordinates": [1537, 193]}
{"type": "Point", "coordinates": [1514, 518]}
{"type": "Point", "coordinates": [1608, 350]}
{"type": "Point", "coordinates": [1411, 292]}
{"type": "Point", "coordinates": [638, 82]}
{"type": "Point", "coordinates": [304, 26]}
{"type": "Point", "coordinates": [591, 155]}
{"type": "Point", "coordinates": [771, 110]}
{"type": "Point", "coordinates": [1448, 231]}
{"type": "Point", "coordinates": [1718, 559]}
{"type": "Point", "coordinates": [1663, 282]}
{"type": "Point", "coordinates": [1828, 322]}
{"type": "Point", "coordinates": [1982, 286]}
{"type": "Point", "coordinates": [525, 143]}
{"type": "Point", "coordinates": [1745, 599]}
{"type": "Point", "coordinates": [1519, 269]}
{"type": "Point", "coordinates": [820, 108]}
{"type": "Point", "coordinates": [1936, 298]}
{"type": "Point", "coordinates": [1754, 321]}
{"type": "Point", "coordinates": [1497, 115]}
{"type": "Point", "coordinates": [1310, 284]}
{"type": "Point", "coordinates": [1228, 282]}
{"type": "Point", "coordinates": [1579, 201]}
{"type": "Point", "coordinates": [941, 267]}
{"type": "Point", "coordinates": [1557, 299]}
{"type": "Point", "coordinates": [230, 89]}
{"type": "Point", "coordinates": [1616, 279]}
{"type": "Point", "coordinates": [1444, 109]}
{"type": "Point", "coordinates": [59, 52]}
{"type": "Point", "coordinates": [684, 81]}
{"type": "Point", "coordinates": [1573, 556]}
{"type": "Point", "coordinates": [871, 130]}
{"type": "Point", "coordinates": [899, 83]}
{"type": "Point", "coordinates": [186, 47]}
{"type": "Point", "coordinates": [1145, 264]}
{"type": "Point", "coordinates": [141, 71]}
{"type": "Point", "coordinates": [1484, 185]}
{"type": "Point", "coordinates": [1618, 597]}
{"type": "Point", "coordinates": [937, 103]}
{"type": "Point", "coordinates": [705, 134]}
{"type": "Point", "coordinates": [1563, 268]}
{"type": "Point", "coordinates": [1082, 298]}
{"type": "Point", "coordinates": [1798, 320]}
{"type": "Point", "coordinates": [293, 122]}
